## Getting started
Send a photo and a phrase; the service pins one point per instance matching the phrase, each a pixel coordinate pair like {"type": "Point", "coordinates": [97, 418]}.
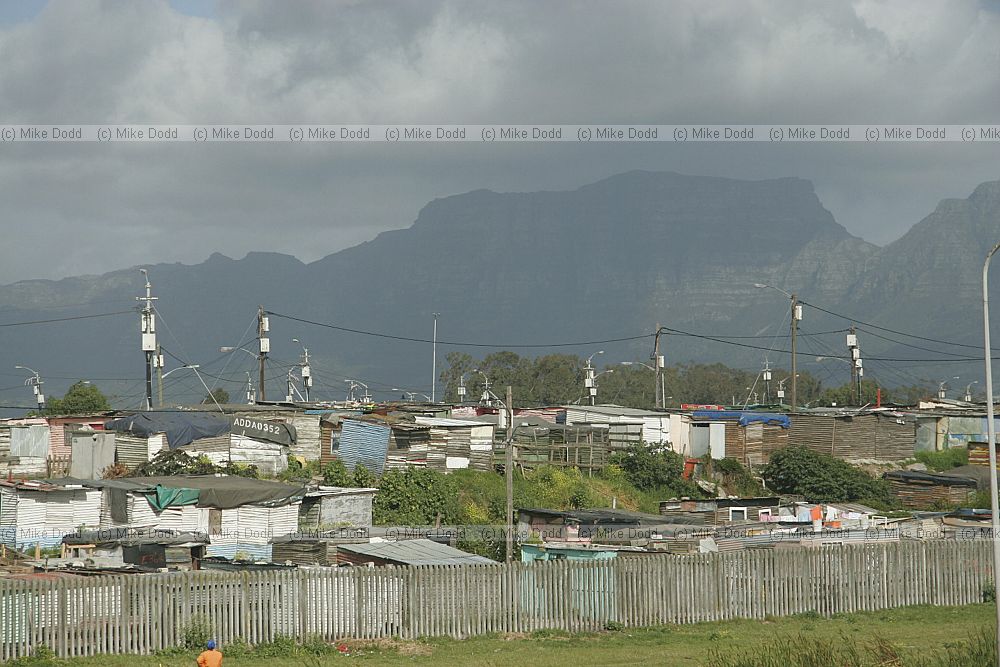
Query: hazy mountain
{"type": "Point", "coordinates": [608, 260]}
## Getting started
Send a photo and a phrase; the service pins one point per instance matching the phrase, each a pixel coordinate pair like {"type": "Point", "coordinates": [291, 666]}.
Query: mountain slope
{"type": "Point", "coordinates": [607, 260]}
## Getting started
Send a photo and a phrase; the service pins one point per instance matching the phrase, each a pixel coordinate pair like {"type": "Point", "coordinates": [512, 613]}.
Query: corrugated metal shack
{"type": "Point", "coordinates": [921, 490]}
{"type": "Point", "coordinates": [626, 426]}
{"type": "Point", "coordinates": [329, 506]}
{"type": "Point", "coordinates": [720, 511]}
{"type": "Point", "coordinates": [406, 552]}
{"type": "Point", "coordinates": [43, 511]}
{"type": "Point", "coordinates": [852, 436]}
{"type": "Point", "coordinates": [750, 437]}
{"type": "Point", "coordinates": [24, 450]}
{"type": "Point", "coordinates": [456, 444]}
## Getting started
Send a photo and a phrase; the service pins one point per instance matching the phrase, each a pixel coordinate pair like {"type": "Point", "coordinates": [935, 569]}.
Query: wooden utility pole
{"type": "Point", "coordinates": [509, 474]}
{"type": "Point", "coordinates": [795, 368]}
{"type": "Point", "coordinates": [159, 375]}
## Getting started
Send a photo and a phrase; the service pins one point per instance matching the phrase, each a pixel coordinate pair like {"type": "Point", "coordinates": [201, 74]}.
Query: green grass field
{"type": "Point", "coordinates": [916, 630]}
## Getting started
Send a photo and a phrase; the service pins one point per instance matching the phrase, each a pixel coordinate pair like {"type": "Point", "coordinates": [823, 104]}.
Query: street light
{"type": "Point", "coordinates": [487, 396]}
{"type": "Point", "coordinates": [968, 391]}
{"type": "Point", "coordinates": [796, 316]}
{"type": "Point", "coordinates": [943, 387]}
{"type": "Point", "coordinates": [434, 358]}
{"type": "Point", "coordinates": [180, 368]}
{"type": "Point", "coordinates": [992, 431]}
{"type": "Point", "coordinates": [354, 384]}
{"type": "Point", "coordinates": [411, 394]}
{"type": "Point", "coordinates": [35, 382]}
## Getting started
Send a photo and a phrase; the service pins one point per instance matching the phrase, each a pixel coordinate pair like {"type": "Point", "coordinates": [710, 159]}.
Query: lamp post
{"type": "Point", "coordinates": [992, 435]}
{"type": "Point", "coordinates": [943, 387]}
{"type": "Point", "coordinates": [796, 316]}
{"type": "Point", "coordinates": [35, 382]}
{"type": "Point", "coordinates": [588, 380]}
{"type": "Point", "coordinates": [968, 391]}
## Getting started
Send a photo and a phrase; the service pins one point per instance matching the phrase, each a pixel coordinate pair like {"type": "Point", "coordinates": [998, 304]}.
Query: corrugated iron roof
{"type": "Point", "coordinates": [415, 552]}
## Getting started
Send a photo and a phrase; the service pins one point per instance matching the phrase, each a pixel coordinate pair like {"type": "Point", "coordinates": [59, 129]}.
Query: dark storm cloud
{"type": "Point", "coordinates": [448, 62]}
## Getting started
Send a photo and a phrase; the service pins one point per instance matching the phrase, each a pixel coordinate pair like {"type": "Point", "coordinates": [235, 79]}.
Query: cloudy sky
{"type": "Point", "coordinates": [70, 209]}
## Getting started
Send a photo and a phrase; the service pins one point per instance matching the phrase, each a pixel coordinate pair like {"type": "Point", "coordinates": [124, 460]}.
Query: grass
{"type": "Point", "coordinates": [926, 632]}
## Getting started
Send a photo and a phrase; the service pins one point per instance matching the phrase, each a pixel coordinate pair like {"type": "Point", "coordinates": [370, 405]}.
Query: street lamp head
{"type": "Point", "coordinates": [759, 285]}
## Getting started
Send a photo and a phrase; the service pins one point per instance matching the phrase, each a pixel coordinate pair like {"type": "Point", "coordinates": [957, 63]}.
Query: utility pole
{"type": "Point", "coordinates": [434, 360]}
{"type": "Point", "coordinates": [148, 330]}
{"type": "Point", "coordinates": [657, 360]}
{"type": "Point", "coordinates": [856, 372]}
{"type": "Point", "coordinates": [509, 474]}
{"type": "Point", "coordinates": [35, 382]}
{"type": "Point", "coordinates": [589, 379]}
{"type": "Point", "coordinates": [991, 431]}
{"type": "Point", "coordinates": [263, 326]}
{"type": "Point", "coordinates": [796, 316]}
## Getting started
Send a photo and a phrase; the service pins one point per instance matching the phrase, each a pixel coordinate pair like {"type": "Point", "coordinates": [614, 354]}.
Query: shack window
{"type": "Point", "coordinates": [737, 513]}
{"type": "Point", "coordinates": [335, 442]}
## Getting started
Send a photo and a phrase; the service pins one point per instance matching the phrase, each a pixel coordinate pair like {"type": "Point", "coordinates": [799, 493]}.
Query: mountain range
{"type": "Point", "coordinates": [607, 261]}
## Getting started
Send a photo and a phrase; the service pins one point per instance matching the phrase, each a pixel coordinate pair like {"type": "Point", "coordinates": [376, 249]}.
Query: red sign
{"type": "Point", "coordinates": [696, 406]}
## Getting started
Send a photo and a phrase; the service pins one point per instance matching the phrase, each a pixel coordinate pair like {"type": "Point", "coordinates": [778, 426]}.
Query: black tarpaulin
{"type": "Point", "coordinates": [181, 428]}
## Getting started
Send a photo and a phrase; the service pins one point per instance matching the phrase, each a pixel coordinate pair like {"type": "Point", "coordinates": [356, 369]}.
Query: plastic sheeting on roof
{"type": "Point", "coordinates": [181, 428]}
{"type": "Point", "coordinates": [745, 418]}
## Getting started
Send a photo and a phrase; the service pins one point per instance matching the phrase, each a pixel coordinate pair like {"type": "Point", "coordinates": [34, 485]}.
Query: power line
{"type": "Point", "coordinates": [457, 343]}
{"type": "Point", "coordinates": [899, 333]}
{"type": "Point", "coordinates": [67, 319]}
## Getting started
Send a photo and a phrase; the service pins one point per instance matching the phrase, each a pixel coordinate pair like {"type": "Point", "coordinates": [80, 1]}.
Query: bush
{"type": "Point", "coordinates": [823, 478]}
{"type": "Point", "coordinates": [197, 633]}
{"type": "Point", "coordinates": [335, 474]}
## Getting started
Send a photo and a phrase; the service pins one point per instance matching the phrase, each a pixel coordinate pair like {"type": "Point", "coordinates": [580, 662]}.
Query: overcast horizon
{"type": "Point", "coordinates": [78, 209]}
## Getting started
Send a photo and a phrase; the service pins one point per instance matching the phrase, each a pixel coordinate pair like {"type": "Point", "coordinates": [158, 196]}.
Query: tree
{"type": "Point", "coordinates": [217, 395]}
{"type": "Point", "coordinates": [81, 398]}
{"type": "Point", "coordinates": [846, 394]}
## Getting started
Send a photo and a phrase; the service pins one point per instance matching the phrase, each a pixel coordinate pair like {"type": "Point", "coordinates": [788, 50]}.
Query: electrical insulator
{"type": "Point", "coordinates": [265, 345]}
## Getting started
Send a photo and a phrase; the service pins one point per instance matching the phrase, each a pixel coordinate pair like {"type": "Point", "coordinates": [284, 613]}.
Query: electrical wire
{"type": "Point", "coordinates": [67, 319]}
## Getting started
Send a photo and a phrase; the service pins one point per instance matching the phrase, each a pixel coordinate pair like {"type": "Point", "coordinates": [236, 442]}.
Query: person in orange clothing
{"type": "Point", "coordinates": [210, 657]}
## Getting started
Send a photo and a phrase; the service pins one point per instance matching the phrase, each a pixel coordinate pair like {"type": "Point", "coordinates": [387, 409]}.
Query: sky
{"type": "Point", "coordinates": [91, 208]}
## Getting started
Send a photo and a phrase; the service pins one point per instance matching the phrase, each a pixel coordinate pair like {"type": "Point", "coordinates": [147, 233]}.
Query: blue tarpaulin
{"type": "Point", "coordinates": [745, 418]}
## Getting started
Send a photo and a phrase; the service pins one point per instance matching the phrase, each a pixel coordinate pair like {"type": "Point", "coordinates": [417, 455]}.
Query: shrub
{"type": "Point", "coordinates": [197, 633]}
{"type": "Point", "coordinates": [823, 478]}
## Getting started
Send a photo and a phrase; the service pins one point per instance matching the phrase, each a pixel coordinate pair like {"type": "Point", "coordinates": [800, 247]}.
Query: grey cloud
{"type": "Point", "coordinates": [522, 62]}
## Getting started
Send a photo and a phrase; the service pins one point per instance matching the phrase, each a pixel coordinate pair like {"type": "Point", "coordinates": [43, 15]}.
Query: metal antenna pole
{"type": "Point", "coordinates": [264, 348]}
{"type": "Point", "coordinates": [992, 436]}
{"type": "Point", "coordinates": [795, 371]}
{"type": "Point", "coordinates": [509, 475]}
{"type": "Point", "coordinates": [434, 360]}
{"type": "Point", "coordinates": [148, 331]}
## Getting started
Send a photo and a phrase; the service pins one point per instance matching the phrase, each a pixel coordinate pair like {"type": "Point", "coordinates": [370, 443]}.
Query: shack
{"type": "Point", "coordinates": [152, 549]}
{"type": "Point", "coordinates": [878, 435]}
{"type": "Point", "coordinates": [41, 512]}
{"type": "Point", "coordinates": [923, 490]}
{"type": "Point", "coordinates": [326, 507]}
